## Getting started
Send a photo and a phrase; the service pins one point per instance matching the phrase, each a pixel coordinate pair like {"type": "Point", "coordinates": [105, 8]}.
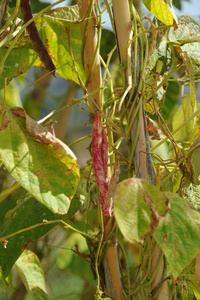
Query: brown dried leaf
{"type": "Point", "coordinates": [44, 136]}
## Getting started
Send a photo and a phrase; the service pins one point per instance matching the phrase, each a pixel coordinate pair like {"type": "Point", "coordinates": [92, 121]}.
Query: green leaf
{"type": "Point", "coordinates": [196, 289]}
{"type": "Point", "coordinates": [187, 36]}
{"type": "Point", "coordinates": [182, 114]}
{"type": "Point", "coordinates": [60, 31]}
{"type": "Point", "coordinates": [187, 30]}
{"type": "Point", "coordinates": [139, 206]}
{"type": "Point", "coordinates": [194, 160]}
{"type": "Point", "coordinates": [107, 44]}
{"type": "Point", "coordinates": [177, 4]}
{"type": "Point", "coordinates": [193, 51]}
{"type": "Point", "coordinates": [192, 192]}
{"type": "Point", "coordinates": [160, 10]}
{"type": "Point", "coordinates": [41, 163]}
{"type": "Point", "coordinates": [171, 99]}
{"type": "Point", "coordinates": [63, 260]}
{"type": "Point", "coordinates": [12, 94]}
{"type": "Point", "coordinates": [69, 257]}
{"type": "Point", "coordinates": [31, 273]}
{"type": "Point", "coordinates": [5, 283]}
{"type": "Point", "coordinates": [27, 214]}
{"type": "Point", "coordinates": [161, 56]}
{"type": "Point", "coordinates": [178, 233]}
{"type": "Point", "coordinates": [18, 62]}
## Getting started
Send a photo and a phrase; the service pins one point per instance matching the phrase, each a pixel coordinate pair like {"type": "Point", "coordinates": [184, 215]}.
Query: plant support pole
{"type": "Point", "coordinates": [139, 135]}
{"type": "Point", "coordinates": [91, 63]}
{"type": "Point", "coordinates": [90, 56]}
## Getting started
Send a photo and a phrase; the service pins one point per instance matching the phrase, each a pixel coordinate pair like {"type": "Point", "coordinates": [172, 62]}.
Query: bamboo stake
{"type": "Point", "coordinates": [91, 60]}
{"type": "Point", "coordinates": [94, 82]}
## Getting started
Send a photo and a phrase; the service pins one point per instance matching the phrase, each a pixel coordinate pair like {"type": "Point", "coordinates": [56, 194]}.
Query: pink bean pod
{"type": "Point", "coordinates": [99, 145]}
{"type": "Point", "coordinates": [104, 153]}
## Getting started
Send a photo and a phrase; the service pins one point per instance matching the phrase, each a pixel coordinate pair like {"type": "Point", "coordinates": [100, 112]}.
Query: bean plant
{"type": "Point", "coordinates": [123, 223]}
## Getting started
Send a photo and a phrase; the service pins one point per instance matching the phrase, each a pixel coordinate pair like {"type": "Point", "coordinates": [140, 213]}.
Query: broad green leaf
{"type": "Point", "coordinates": [31, 273]}
{"type": "Point", "coordinates": [18, 62]}
{"type": "Point", "coordinates": [57, 28]}
{"type": "Point", "coordinates": [41, 163]}
{"type": "Point", "coordinates": [182, 114]}
{"type": "Point", "coordinates": [139, 206]}
{"type": "Point", "coordinates": [160, 10]}
{"type": "Point", "coordinates": [187, 30]}
{"type": "Point", "coordinates": [193, 51]}
{"type": "Point", "coordinates": [192, 192]}
{"type": "Point", "coordinates": [178, 233]}
{"type": "Point", "coordinates": [27, 214]}
{"type": "Point", "coordinates": [187, 36]}
{"type": "Point", "coordinates": [60, 31]}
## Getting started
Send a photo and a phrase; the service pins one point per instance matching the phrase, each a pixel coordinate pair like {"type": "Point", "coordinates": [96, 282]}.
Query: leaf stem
{"type": "Point", "coordinates": [66, 225]}
{"type": "Point", "coordinates": [176, 130]}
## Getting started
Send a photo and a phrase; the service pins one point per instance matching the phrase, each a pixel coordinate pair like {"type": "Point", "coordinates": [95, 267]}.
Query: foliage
{"type": "Point", "coordinates": [42, 184]}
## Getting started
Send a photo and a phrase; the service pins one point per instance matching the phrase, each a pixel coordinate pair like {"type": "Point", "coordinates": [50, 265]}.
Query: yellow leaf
{"type": "Point", "coordinates": [161, 11]}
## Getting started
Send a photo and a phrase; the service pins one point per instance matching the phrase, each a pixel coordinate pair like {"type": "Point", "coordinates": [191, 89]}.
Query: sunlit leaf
{"type": "Point", "coordinates": [139, 206]}
{"type": "Point", "coordinates": [160, 10]}
{"type": "Point", "coordinates": [41, 163]}
{"type": "Point", "coordinates": [178, 233]}
{"type": "Point", "coordinates": [187, 35]}
{"type": "Point", "coordinates": [192, 192]}
{"type": "Point", "coordinates": [60, 31]}
{"type": "Point", "coordinates": [187, 29]}
{"type": "Point", "coordinates": [31, 273]}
